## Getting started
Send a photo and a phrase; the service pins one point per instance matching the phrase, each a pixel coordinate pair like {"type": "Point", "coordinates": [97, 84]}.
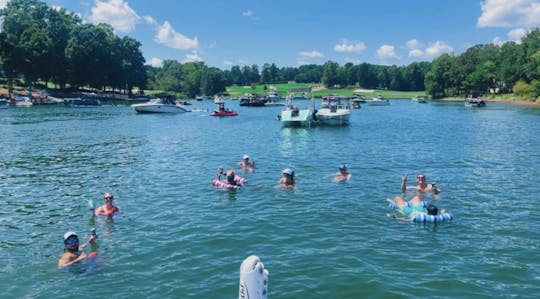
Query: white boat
{"type": "Point", "coordinates": [378, 101]}
{"type": "Point", "coordinates": [22, 101]}
{"type": "Point", "coordinates": [293, 116]}
{"type": "Point", "coordinates": [3, 103]}
{"type": "Point", "coordinates": [159, 105]}
{"type": "Point", "coordinates": [419, 99]}
{"type": "Point", "coordinates": [334, 110]}
{"type": "Point", "coordinates": [472, 101]}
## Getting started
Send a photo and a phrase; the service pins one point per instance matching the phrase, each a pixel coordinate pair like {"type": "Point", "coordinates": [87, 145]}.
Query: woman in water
{"type": "Point", "coordinates": [246, 163]}
{"type": "Point", "coordinates": [107, 209]}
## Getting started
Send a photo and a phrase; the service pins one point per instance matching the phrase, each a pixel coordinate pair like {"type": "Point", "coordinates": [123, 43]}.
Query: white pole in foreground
{"type": "Point", "coordinates": [253, 279]}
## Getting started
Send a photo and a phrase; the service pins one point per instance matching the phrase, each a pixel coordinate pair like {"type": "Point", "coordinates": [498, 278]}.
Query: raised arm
{"type": "Point", "coordinates": [404, 183]}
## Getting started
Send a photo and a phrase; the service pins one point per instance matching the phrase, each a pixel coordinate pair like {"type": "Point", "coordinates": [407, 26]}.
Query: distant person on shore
{"type": "Point", "coordinates": [246, 163]}
{"type": "Point", "coordinates": [107, 209]}
{"type": "Point", "coordinates": [343, 174]}
{"type": "Point", "coordinates": [72, 250]}
{"type": "Point", "coordinates": [287, 180]}
{"type": "Point", "coordinates": [420, 186]}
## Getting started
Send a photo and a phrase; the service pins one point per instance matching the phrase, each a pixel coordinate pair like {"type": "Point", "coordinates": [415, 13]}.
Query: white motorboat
{"type": "Point", "coordinates": [474, 101]}
{"type": "Point", "coordinates": [3, 103]}
{"type": "Point", "coordinates": [334, 110]}
{"type": "Point", "coordinates": [84, 102]}
{"type": "Point", "coordinates": [378, 101]}
{"type": "Point", "coordinates": [159, 105]}
{"type": "Point", "coordinates": [293, 116]}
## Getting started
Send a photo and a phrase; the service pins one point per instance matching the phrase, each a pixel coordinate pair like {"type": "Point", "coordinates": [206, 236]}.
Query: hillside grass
{"type": "Point", "coordinates": [318, 91]}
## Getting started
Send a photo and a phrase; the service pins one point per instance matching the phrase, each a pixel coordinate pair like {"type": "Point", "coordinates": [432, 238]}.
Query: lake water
{"type": "Point", "coordinates": [176, 237]}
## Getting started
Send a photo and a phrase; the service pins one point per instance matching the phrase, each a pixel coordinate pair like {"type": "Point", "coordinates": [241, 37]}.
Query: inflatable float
{"type": "Point", "coordinates": [253, 279]}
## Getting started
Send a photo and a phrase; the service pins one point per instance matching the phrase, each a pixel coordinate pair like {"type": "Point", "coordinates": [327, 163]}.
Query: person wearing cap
{"type": "Point", "coordinates": [287, 179]}
{"type": "Point", "coordinates": [421, 185]}
{"type": "Point", "coordinates": [107, 209]}
{"type": "Point", "coordinates": [343, 174]}
{"type": "Point", "coordinates": [72, 250]}
{"type": "Point", "coordinates": [245, 163]}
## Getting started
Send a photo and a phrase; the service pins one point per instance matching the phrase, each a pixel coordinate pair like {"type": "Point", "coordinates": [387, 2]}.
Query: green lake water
{"type": "Point", "coordinates": [177, 237]}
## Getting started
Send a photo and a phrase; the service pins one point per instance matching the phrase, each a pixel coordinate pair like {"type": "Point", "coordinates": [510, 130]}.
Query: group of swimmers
{"type": "Point", "coordinates": [416, 209]}
{"type": "Point", "coordinates": [73, 251]}
{"type": "Point", "coordinates": [287, 180]}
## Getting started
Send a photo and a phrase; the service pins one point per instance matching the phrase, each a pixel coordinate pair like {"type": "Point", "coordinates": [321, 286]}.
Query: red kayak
{"type": "Point", "coordinates": [224, 113]}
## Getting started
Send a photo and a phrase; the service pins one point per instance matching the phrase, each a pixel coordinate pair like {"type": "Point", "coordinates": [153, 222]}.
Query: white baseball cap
{"type": "Point", "coordinates": [245, 156]}
{"type": "Point", "coordinates": [69, 234]}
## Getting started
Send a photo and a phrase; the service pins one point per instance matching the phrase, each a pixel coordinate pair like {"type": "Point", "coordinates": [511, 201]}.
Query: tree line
{"type": "Point", "coordinates": [39, 43]}
{"type": "Point", "coordinates": [54, 46]}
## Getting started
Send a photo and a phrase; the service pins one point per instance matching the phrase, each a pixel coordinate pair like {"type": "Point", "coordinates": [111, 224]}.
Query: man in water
{"type": "Point", "coordinates": [72, 250]}
{"type": "Point", "coordinates": [287, 179]}
{"type": "Point", "coordinates": [421, 186]}
{"type": "Point", "coordinates": [245, 163]}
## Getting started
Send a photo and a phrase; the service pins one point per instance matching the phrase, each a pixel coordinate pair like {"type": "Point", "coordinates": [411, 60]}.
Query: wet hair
{"type": "Point", "coordinates": [432, 210]}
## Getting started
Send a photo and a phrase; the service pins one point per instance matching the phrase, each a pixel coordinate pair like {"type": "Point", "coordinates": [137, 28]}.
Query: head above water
{"type": "Point", "coordinates": [287, 171]}
{"type": "Point", "coordinates": [432, 210]}
{"type": "Point", "coordinates": [421, 177]}
{"type": "Point", "coordinates": [343, 167]}
{"type": "Point", "coordinates": [71, 241]}
{"type": "Point", "coordinates": [245, 157]}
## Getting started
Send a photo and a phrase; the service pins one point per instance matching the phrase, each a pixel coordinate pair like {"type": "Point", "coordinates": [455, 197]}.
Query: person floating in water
{"type": "Point", "coordinates": [430, 214]}
{"type": "Point", "coordinates": [246, 163]}
{"type": "Point", "coordinates": [107, 209]}
{"type": "Point", "coordinates": [343, 174]}
{"type": "Point", "coordinates": [72, 250]}
{"type": "Point", "coordinates": [287, 180]}
{"type": "Point", "coordinates": [421, 184]}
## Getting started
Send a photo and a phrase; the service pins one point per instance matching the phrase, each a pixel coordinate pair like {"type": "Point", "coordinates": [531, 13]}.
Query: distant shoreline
{"type": "Point", "coordinates": [502, 101]}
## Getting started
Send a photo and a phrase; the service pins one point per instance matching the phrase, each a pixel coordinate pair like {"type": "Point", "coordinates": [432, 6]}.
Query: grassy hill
{"type": "Point", "coordinates": [318, 91]}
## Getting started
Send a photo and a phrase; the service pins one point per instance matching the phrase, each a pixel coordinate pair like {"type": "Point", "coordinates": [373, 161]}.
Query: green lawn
{"type": "Point", "coordinates": [285, 89]}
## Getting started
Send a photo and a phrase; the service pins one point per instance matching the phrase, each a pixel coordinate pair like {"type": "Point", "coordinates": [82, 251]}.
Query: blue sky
{"type": "Point", "coordinates": [223, 33]}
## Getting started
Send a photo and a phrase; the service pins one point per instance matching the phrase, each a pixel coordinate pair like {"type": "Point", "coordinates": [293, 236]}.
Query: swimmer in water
{"type": "Point", "coordinates": [420, 186]}
{"type": "Point", "coordinates": [246, 163]}
{"type": "Point", "coordinates": [72, 250]}
{"type": "Point", "coordinates": [287, 180]}
{"type": "Point", "coordinates": [107, 209]}
{"type": "Point", "coordinates": [431, 210]}
{"type": "Point", "coordinates": [409, 208]}
{"type": "Point", "coordinates": [343, 174]}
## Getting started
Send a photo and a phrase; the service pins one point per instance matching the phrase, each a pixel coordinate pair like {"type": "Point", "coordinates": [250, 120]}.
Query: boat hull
{"type": "Point", "coordinates": [158, 108]}
{"type": "Point", "coordinates": [338, 118]}
{"type": "Point", "coordinates": [304, 118]}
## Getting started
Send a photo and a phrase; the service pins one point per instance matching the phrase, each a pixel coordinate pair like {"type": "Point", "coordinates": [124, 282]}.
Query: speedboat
{"type": "Point", "coordinates": [252, 100]}
{"type": "Point", "coordinates": [356, 101]}
{"type": "Point", "coordinates": [334, 110]}
{"type": "Point", "coordinates": [378, 101]}
{"type": "Point", "coordinates": [159, 105]}
{"type": "Point", "coordinates": [293, 116]}
{"type": "Point", "coordinates": [220, 108]}
{"type": "Point", "coordinates": [419, 99]}
{"type": "Point", "coordinates": [21, 101]}
{"type": "Point", "coordinates": [3, 103]}
{"type": "Point", "coordinates": [471, 101]}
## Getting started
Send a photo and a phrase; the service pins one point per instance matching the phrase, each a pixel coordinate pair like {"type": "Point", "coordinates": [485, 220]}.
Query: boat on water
{"type": "Point", "coordinates": [419, 99]}
{"type": "Point", "coordinates": [21, 101]}
{"type": "Point", "coordinates": [3, 103]}
{"type": "Point", "coordinates": [220, 108]}
{"type": "Point", "coordinates": [82, 102]}
{"type": "Point", "coordinates": [356, 101]}
{"type": "Point", "coordinates": [293, 116]}
{"type": "Point", "coordinates": [334, 110]}
{"type": "Point", "coordinates": [474, 101]}
{"type": "Point", "coordinates": [159, 105]}
{"type": "Point", "coordinates": [378, 101]}
{"type": "Point", "coordinates": [251, 100]}
{"type": "Point", "coordinates": [274, 102]}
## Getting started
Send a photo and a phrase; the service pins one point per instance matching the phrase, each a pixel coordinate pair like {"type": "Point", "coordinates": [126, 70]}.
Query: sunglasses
{"type": "Point", "coordinates": [108, 198]}
{"type": "Point", "coordinates": [72, 241]}
{"type": "Point", "coordinates": [421, 177]}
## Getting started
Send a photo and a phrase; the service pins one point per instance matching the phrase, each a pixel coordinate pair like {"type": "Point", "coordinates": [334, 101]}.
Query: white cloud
{"type": "Point", "coordinates": [509, 13]}
{"type": "Point", "coordinates": [193, 57]}
{"type": "Point", "coordinates": [386, 52]}
{"type": "Point", "coordinates": [168, 36]}
{"type": "Point", "coordinates": [516, 35]}
{"type": "Point", "coordinates": [497, 41]}
{"type": "Point", "coordinates": [117, 13]}
{"type": "Point", "coordinates": [437, 48]}
{"type": "Point", "coordinates": [302, 62]}
{"type": "Point", "coordinates": [414, 44]}
{"type": "Point", "coordinates": [348, 46]}
{"type": "Point", "coordinates": [310, 54]}
{"type": "Point", "coordinates": [149, 20]}
{"type": "Point", "coordinates": [416, 53]}
{"type": "Point", "coordinates": [227, 63]}
{"type": "Point", "coordinates": [249, 14]}
{"type": "Point", "coordinates": [155, 62]}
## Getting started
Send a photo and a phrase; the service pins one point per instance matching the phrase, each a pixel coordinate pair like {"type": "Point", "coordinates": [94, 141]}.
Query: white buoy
{"type": "Point", "coordinates": [253, 279]}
